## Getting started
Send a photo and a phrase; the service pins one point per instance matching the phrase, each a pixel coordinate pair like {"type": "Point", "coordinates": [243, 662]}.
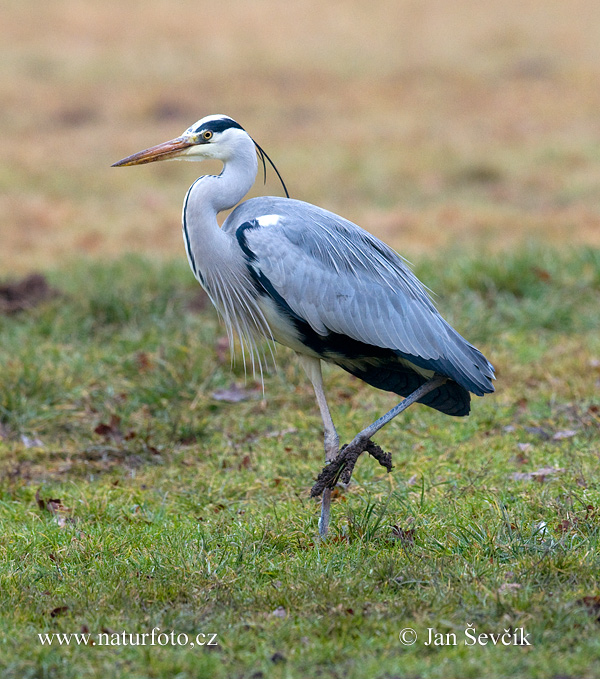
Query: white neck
{"type": "Point", "coordinates": [215, 256]}
{"type": "Point", "coordinates": [207, 246]}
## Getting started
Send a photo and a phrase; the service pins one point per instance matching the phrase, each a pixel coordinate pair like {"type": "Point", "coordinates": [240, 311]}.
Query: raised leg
{"type": "Point", "coordinates": [312, 366]}
{"type": "Point", "coordinates": [363, 436]}
{"type": "Point", "coordinates": [343, 465]}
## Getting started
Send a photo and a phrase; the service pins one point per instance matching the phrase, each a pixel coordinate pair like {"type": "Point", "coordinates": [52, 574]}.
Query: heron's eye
{"type": "Point", "coordinates": [207, 135]}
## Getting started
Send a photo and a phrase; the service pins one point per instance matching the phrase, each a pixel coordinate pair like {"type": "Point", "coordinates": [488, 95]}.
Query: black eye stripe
{"type": "Point", "coordinates": [218, 125]}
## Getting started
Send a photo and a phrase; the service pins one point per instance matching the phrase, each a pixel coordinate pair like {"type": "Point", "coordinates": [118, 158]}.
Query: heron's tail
{"type": "Point", "coordinates": [450, 398]}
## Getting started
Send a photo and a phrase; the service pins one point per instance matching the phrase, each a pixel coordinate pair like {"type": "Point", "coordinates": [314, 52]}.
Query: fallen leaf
{"type": "Point", "coordinates": [111, 430]}
{"type": "Point", "coordinates": [142, 361]}
{"type": "Point", "coordinates": [86, 630]}
{"type": "Point", "coordinates": [508, 587]}
{"type": "Point", "coordinates": [31, 442]}
{"type": "Point", "coordinates": [405, 535]}
{"type": "Point", "coordinates": [525, 447]}
{"type": "Point", "coordinates": [540, 432]}
{"type": "Point", "coordinates": [51, 505]}
{"type": "Point", "coordinates": [245, 463]}
{"type": "Point", "coordinates": [25, 293]}
{"type": "Point", "coordinates": [55, 507]}
{"type": "Point", "coordinates": [59, 610]}
{"type": "Point", "coordinates": [280, 432]}
{"type": "Point", "coordinates": [565, 526]}
{"type": "Point", "coordinates": [564, 434]}
{"type": "Point", "coordinates": [40, 503]}
{"type": "Point", "coordinates": [592, 603]}
{"type": "Point", "coordinates": [341, 609]}
{"type": "Point", "coordinates": [542, 274]}
{"type": "Point", "coordinates": [235, 394]}
{"type": "Point", "coordinates": [538, 474]}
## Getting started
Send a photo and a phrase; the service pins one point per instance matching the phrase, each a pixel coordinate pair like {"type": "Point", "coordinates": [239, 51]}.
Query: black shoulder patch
{"type": "Point", "coordinates": [240, 234]}
{"type": "Point", "coordinates": [219, 125]}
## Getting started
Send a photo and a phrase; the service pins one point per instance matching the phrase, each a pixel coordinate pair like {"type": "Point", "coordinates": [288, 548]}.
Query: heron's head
{"type": "Point", "coordinates": [214, 137]}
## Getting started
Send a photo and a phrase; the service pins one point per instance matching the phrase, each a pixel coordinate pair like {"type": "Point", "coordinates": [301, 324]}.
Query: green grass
{"type": "Point", "coordinates": [191, 514]}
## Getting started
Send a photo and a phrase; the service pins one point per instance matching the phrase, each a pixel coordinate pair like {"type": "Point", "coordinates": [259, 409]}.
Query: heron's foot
{"type": "Point", "coordinates": [340, 469]}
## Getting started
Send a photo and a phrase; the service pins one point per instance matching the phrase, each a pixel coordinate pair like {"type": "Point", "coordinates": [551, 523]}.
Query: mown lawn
{"type": "Point", "coordinates": [132, 497]}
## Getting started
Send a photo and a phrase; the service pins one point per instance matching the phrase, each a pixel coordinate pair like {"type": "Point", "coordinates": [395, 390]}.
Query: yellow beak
{"type": "Point", "coordinates": [167, 150]}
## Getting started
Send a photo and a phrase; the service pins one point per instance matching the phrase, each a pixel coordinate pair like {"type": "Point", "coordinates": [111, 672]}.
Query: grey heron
{"type": "Point", "coordinates": [311, 280]}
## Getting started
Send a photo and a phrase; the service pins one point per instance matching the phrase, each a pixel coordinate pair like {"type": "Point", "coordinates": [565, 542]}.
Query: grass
{"type": "Point", "coordinates": [159, 506]}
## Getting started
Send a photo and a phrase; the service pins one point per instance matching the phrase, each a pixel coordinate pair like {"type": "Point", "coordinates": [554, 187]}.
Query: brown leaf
{"type": "Point", "coordinates": [25, 293]}
{"type": "Point", "coordinates": [111, 430]}
{"type": "Point", "coordinates": [592, 603]}
{"type": "Point", "coordinates": [405, 535]}
{"type": "Point", "coordinates": [59, 610]}
{"type": "Point", "coordinates": [51, 505]}
{"type": "Point", "coordinates": [341, 609]}
{"type": "Point", "coordinates": [542, 274]}
{"type": "Point", "coordinates": [55, 507]}
{"type": "Point", "coordinates": [143, 362]}
{"type": "Point", "coordinates": [337, 539]}
{"type": "Point", "coordinates": [86, 630]}
{"type": "Point", "coordinates": [566, 525]}
{"type": "Point", "coordinates": [537, 475]}
{"type": "Point", "coordinates": [246, 463]}
{"type": "Point", "coordinates": [40, 503]}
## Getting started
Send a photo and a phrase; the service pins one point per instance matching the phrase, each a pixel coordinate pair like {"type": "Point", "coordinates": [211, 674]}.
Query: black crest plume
{"type": "Point", "coordinates": [264, 157]}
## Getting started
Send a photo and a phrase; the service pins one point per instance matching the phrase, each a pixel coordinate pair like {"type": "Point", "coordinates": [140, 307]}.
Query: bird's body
{"type": "Point", "coordinates": [315, 282]}
{"type": "Point", "coordinates": [328, 289]}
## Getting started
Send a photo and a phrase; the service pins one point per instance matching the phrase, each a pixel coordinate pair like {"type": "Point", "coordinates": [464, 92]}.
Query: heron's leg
{"type": "Point", "coordinates": [342, 467]}
{"type": "Point", "coordinates": [312, 366]}
{"type": "Point", "coordinates": [431, 384]}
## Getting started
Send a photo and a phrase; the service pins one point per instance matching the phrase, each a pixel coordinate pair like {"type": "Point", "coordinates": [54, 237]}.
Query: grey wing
{"type": "Point", "coordinates": [340, 279]}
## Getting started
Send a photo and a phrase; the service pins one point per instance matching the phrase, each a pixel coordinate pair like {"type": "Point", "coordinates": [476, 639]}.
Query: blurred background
{"type": "Point", "coordinates": [434, 124]}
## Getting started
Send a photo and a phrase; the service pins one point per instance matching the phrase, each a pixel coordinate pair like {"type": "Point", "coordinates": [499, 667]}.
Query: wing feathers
{"type": "Point", "coordinates": [343, 280]}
